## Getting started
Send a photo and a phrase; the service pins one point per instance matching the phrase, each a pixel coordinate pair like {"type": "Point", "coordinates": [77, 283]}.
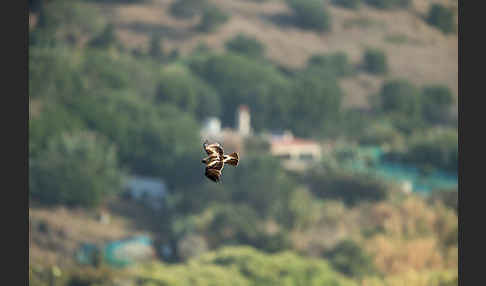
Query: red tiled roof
{"type": "Point", "coordinates": [293, 141]}
{"type": "Point", "coordinates": [243, 107]}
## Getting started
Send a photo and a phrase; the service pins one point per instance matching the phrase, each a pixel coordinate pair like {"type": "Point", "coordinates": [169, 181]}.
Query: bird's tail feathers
{"type": "Point", "coordinates": [231, 159]}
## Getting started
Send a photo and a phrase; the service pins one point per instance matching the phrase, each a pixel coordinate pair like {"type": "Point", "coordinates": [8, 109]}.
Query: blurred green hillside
{"type": "Point", "coordinates": [119, 88]}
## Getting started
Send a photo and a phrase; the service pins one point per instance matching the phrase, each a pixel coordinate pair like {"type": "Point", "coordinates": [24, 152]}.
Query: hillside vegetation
{"type": "Point", "coordinates": [120, 88]}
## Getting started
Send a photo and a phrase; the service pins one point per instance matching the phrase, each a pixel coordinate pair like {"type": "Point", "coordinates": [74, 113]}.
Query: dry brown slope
{"type": "Point", "coordinates": [415, 50]}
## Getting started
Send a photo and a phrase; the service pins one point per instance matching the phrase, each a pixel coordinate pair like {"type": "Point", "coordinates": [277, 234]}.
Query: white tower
{"type": "Point", "coordinates": [243, 120]}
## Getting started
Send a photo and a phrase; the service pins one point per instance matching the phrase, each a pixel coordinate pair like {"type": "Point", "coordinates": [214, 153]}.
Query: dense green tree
{"type": "Point", "coordinates": [350, 259]}
{"type": "Point", "coordinates": [240, 80]}
{"type": "Point", "coordinates": [311, 14]}
{"type": "Point", "coordinates": [337, 63]}
{"type": "Point", "coordinates": [350, 4]}
{"type": "Point", "coordinates": [153, 140]}
{"type": "Point", "coordinates": [375, 61]}
{"type": "Point", "coordinates": [316, 103]}
{"type": "Point", "coordinates": [246, 45]}
{"type": "Point", "coordinates": [75, 169]}
{"type": "Point", "coordinates": [441, 17]}
{"type": "Point", "coordinates": [212, 18]}
{"type": "Point", "coordinates": [178, 86]}
{"type": "Point", "coordinates": [436, 101]}
{"type": "Point", "coordinates": [400, 96]}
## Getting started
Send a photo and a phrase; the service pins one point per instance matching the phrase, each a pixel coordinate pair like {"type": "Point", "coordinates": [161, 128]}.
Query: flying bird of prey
{"type": "Point", "coordinates": [216, 160]}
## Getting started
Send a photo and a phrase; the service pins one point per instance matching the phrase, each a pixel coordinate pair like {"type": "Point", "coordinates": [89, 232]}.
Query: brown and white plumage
{"type": "Point", "coordinates": [216, 160]}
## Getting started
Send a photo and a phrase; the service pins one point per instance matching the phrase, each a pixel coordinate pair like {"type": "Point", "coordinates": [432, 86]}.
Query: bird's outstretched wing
{"type": "Point", "coordinates": [214, 148]}
{"type": "Point", "coordinates": [213, 170]}
{"type": "Point", "coordinates": [231, 159]}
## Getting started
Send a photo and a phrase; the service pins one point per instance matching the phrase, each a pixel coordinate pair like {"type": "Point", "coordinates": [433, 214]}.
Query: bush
{"type": "Point", "coordinates": [350, 259]}
{"type": "Point", "coordinates": [53, 73]}
{"type": "Point", "coordinates": [441, 17]}
{"type": "Point", "coordinates": [246, 45]}
{"type": "Point", "coordinates": [75, 169]}
{"type": "Point", "coordinates": [69, 21]}
{"type": "Point", "coordinates": [180, 87]}
{"type": "Point", "coordinates": [155, 50]}
{"type": "Point", "coordinates": [389, 4]}
{"type": "Point", "coordinates": [187, 9]}
{"type": "Point", "coordinates": [242, 80]}
{"type": "Point", "coordinates": [400, 96]}
{"type": "Point", "coordinates": [375, 61]}
{"type": "Point", "coordinates": [348, 187]}
{"type": "Point", "coordinates": [311, 14]}
{"type": "Point", "coordinates": [315, 105]}
{"type": "Point", "coordinates": [337, 63]}
{"type": "Point", "coordinates": [106, 39]}
{"type": "Point", "coordinates": [145, 134]}
{"type": "Point", "coordinates": [436, 103]}
{"type": "Point", "coordinates": [350, 4]}
{"type": "Point", "coordinates": [438, 148]}
{"type": "Point", "coordinates": [212, 18]}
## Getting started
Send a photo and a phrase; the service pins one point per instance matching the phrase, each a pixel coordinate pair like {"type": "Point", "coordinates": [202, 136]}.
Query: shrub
{"type": "Point", "coordinates": [337, 63]}
{"type": "Point", "coordinates": [311, 14]}
{"type": "Point", "coordinates": [212, 18]}
{"type": "Point", "coordinates": [441, 17]}
{"type": "Point", "coordinates": [315, 105]}
{"type": "Point", "coordinates": [242, 80]}
{"type": "Point", "coordinates": [53, 73]}
{"type": "Point", "coordinates": [437, 148]}
{"type": "Point", "coordinates": [400, 96]}
{"type": "Point", "coordinates": [436, 103]}
{"type": "Point", "coordinates": [186, 9]}
{"type": "Point", "coordinates": [155, 50]}
{"type": "Point", "coordinates": [145, 134]}
{"type": "Point", "coordinates": [180, 87]}
{"type": "Point", "coordinates": [350, 4]}
{"type": "Point", "coordinates": [246, 45]}
{"type": "Point", "coordinates": [106, 38]}
{"type": "Point", "coordinates": [69, 21]}
{"type": "Point", "coordinates": [75, 169]}
{"type": "Point", "coordinates": [375, 61]}
{"type": "Point", "coordinates": [389, 4]}
{"type": "Point", "coordinates": [349, 187]}
{"type": "Point", "coordinates": [54, 120]}
{"type": "Point", "coordinates": [350, 259]}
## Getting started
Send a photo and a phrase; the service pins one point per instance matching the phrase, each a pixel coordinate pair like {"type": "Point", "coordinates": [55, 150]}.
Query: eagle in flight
{"type": "Point", "coordinates": [216, 160]}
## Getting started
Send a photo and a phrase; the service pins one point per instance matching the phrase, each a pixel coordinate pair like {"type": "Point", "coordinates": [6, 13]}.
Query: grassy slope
{"type": "Point", "coordinates": [415, 50]}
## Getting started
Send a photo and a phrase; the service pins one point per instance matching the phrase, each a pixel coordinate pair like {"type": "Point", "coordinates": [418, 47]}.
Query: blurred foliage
{"type": "Point", "coordinates": [316, 104]}
{"type": "Point", "coordinates": [69, 21]}
{"type": "Point", "coordinates": [241, 80]}
{"type": "Point", "coordinates": [178, 86]}
{"type": "Point", "coordinates": [435, 148]}
{"type": "Point", "coordinates": [75, 169]}
{"type": "Point", "coordinates": [100, 111]}
{"type": "Point", "coordinates": [441, 17]}
{"type": "Point", "coordinates": [246, 45]}
{"type": "Point", "coordinates": [437, 101]}
{"type": "Point", "coordinates": [350, 4]}
{"type": "Point", "coordinates": [244, 266]}
{"type": "Point", "coordinates": [212, 18]}
{"type": "Point", "coordinates": [185, 9]}
{"type": "Point", "coordinates": [337, 63]}
{"type": "Point", "coordinates": [350, 188]}
{"type": "Point", "coordinates": [400, 97]}
{"type": "Point", "coordinates": [350, 259]}
{"type": "Point", "coordinates": [311, 14]}
{"type": "Point", "coordinates": [375, 62]}
{"type": "Point", "coordinates": [389, 4]}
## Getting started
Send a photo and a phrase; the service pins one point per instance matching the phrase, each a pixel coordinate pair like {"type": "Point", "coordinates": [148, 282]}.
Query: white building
{"type": "Point", "coordinates": [296, 153]}
{"type": "Point", "coordinates": [243, 124]}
